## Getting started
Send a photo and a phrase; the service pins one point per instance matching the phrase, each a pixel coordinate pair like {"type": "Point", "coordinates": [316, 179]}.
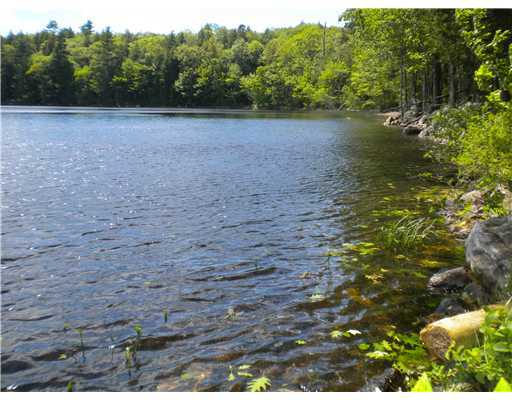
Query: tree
{"type": "Point", "coordinates": [86, 30]}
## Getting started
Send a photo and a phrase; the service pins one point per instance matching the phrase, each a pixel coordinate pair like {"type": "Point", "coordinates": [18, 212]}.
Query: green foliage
{"type": "Point", "coordinates": [70, 386]}
{"type": "Point", "coordinates": [138, 330]}
{"type": "Point", "coordinates": [486, 152]}
{"type": "Point", "coordinates": [488, 33]}
{"type": "Point", "coordinates": [450, 125]}
{"type": "Point", "coordinates": [485, 367]}
{"type": "Point", "coordinates": [407, 232]}
{"type": "Point", "coordinates": [503, 386]}
{"type": "Point", "coordinates": [423, 384]}
{"type": "Point", "coordinates": [478, 141]}
{"type": "Point", "coordinates": [260, 384]}
{"type": "Point", "coordinates": [379, 59]}
{"type": "Point", "coordinates": [404, 351]}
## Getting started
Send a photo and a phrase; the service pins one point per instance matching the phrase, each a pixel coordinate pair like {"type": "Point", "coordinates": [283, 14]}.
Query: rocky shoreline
{"type": "Point", "coordinates": [413, 123]}
{"type": "Point", "coordinates": [487, 275]}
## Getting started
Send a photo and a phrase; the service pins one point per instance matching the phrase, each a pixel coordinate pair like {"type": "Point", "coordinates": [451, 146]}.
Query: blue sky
{"type": "Point", "coordinates": [165, 16]}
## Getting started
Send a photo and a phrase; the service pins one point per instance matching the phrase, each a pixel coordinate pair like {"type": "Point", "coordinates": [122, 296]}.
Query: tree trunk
{"type": "Point", "coordinates": [461, 329]}
{"type": "Point", "coordinates": [413, 89]}
{"type": "Point", "coordinates": [424, 91]}
{"type": "Point", "coordinates": [402, 84]}
{"type": "Point", "coordinates": [451, 87]}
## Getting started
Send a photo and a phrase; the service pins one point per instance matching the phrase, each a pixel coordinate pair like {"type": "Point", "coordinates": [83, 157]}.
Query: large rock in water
{"type": "Point", "coordinates": [489, 254]}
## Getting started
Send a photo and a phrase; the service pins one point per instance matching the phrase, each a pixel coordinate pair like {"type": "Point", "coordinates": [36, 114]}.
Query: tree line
{"type": "Point", "coordinates": [377, 59]}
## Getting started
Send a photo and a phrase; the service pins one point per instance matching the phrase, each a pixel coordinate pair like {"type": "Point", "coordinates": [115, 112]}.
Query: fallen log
{"type": "Point", "coordinates": [461, 329]}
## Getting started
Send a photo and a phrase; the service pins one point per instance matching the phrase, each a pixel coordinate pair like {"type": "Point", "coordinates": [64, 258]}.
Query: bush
{"type": "Point", "coordinates": [477, 141]}
{"type": "Point", "coordinates": [478, 368]}
{"type": "Point", "coordinates": [450, 125]}
{"type": "Point", "coordinates": [487, 149]}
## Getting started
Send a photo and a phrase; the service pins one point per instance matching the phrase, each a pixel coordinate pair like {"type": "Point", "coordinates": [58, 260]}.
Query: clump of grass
{"type": "Point", "coordinates": [407, 232]}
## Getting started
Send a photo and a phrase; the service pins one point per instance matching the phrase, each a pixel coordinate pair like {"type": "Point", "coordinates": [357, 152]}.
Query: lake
{"type": "Point", "coordinates": [213, 233]}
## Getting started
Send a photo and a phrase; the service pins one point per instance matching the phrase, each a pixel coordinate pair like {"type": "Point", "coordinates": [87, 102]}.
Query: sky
{"type": "Point", "coordinates": [165, 16]}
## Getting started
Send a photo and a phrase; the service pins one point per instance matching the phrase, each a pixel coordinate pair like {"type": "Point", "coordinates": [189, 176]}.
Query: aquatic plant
{"type": "Point", "coordinates": [138, 330]}
{"type": "Point", "coordinates": [128, 356]}
{"type": "Point", "coordinates": [231, 376]}
{"type": "Point", "coordinates": [407, 232]}
{"type": "Point", "coordinates": [335, 334]}
{"type": "Point", "coordinates": [242, 371]}
{"type": "Point", "coordinates": [259, 384]}
{"type": "Point", "coordinates": [70, 386]}
{"type": "Point", "coordinates": [81, 333]}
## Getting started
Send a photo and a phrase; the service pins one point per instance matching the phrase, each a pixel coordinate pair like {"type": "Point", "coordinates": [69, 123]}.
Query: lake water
{"type": "Point", "coordinates": [211, 231]}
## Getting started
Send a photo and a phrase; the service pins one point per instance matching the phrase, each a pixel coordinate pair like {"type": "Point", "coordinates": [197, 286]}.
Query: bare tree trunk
{"type": "Point", "coordinates": [436, 84]}
{"type": "Point", "coordinates": [424, 91]}
{"type": "Point", "coordinates": [413, 89]}
{"type": "Point", "coordinates": [402, 83]}
{"type": "Point", "coordinates": [451, 87]}
{"type": "Point", "coordinates": [406, 90]}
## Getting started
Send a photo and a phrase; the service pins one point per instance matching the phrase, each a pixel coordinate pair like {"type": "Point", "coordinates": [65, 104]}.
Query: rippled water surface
{"type": "Point", "coordinates": [109, 218]}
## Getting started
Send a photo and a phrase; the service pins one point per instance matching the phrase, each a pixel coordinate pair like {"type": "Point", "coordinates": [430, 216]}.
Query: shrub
{"type": "Point", "coordinates": [487, 149]}
{"type": "Point", "coordinates": [478, 141]}
{"type": "Point", "coordinates": [480, 368]}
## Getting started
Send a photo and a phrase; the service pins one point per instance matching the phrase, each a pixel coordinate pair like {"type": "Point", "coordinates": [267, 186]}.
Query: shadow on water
{"type": "Point", "coordinates": [239, 243]}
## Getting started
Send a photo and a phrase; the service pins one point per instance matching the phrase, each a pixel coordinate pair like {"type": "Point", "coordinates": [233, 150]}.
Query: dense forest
{"type": "Point", "coordinates": [378, 59]}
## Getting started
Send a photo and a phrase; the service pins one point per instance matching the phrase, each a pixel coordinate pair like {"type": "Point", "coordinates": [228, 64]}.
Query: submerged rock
{"type": "Point", "coordinates": [489, 254]}
{"type": "Point", "coordinates": [475, 296]}
{"type": "Point", "coordinates": [453, 279]}
{"type": "Point", "coordinates": [449, 307]}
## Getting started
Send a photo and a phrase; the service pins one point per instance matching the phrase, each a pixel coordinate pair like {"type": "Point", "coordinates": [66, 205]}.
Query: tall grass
{"type": "Point", "coordinates": [407, 232]}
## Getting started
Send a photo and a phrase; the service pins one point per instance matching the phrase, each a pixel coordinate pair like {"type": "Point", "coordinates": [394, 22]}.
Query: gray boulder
{"type": "Point", "coordinates": [489, 254]}
{"type": "Point", "coordinates": [412, 129]}
{"type": "Point", "coordinates": [426, 132]}
{"type": "Point", "coordinates": [392, 119]}
{"type": "Point", "coordinates": [450, 280]}
{"type": "Point", "coordinates": [449, 307]}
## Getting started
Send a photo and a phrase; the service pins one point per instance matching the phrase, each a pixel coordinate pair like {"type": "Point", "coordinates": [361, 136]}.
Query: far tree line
{"type": "Point", "coordinates": [377, 59]}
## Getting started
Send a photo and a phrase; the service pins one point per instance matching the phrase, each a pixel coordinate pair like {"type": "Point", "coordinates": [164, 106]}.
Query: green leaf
{"type": "Point", "coordinates": [231, 377]}
{"type": "Point", "coordinates": [245, 374]}
{"type": "Point", "coordinates": [363, 346]}
{"type": "Point", "coordinates": [70, 386]}
{"type": "Point", "coordinates": [300, 342]}
{"type": "Point", "coordinates": [138, 329]}
{"type": "Point", "coordinates": [336, 334]}
{"type": "Point", "coordinates": [423, 384]}
{"type": "Point", "coordinates": [378, 355]}
{"type": "Point", "coordinates": [503, 386]}
{"type": "Point", "coordinates": [259, 384]}
{"type": "Point", "coordinates": [244, 367]}
{"type": "Point", "coordinates": [502, 347]}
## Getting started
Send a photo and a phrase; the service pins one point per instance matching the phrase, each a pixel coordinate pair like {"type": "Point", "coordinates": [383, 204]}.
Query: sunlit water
{"type": "Point", "coordinates": [109, 218]}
